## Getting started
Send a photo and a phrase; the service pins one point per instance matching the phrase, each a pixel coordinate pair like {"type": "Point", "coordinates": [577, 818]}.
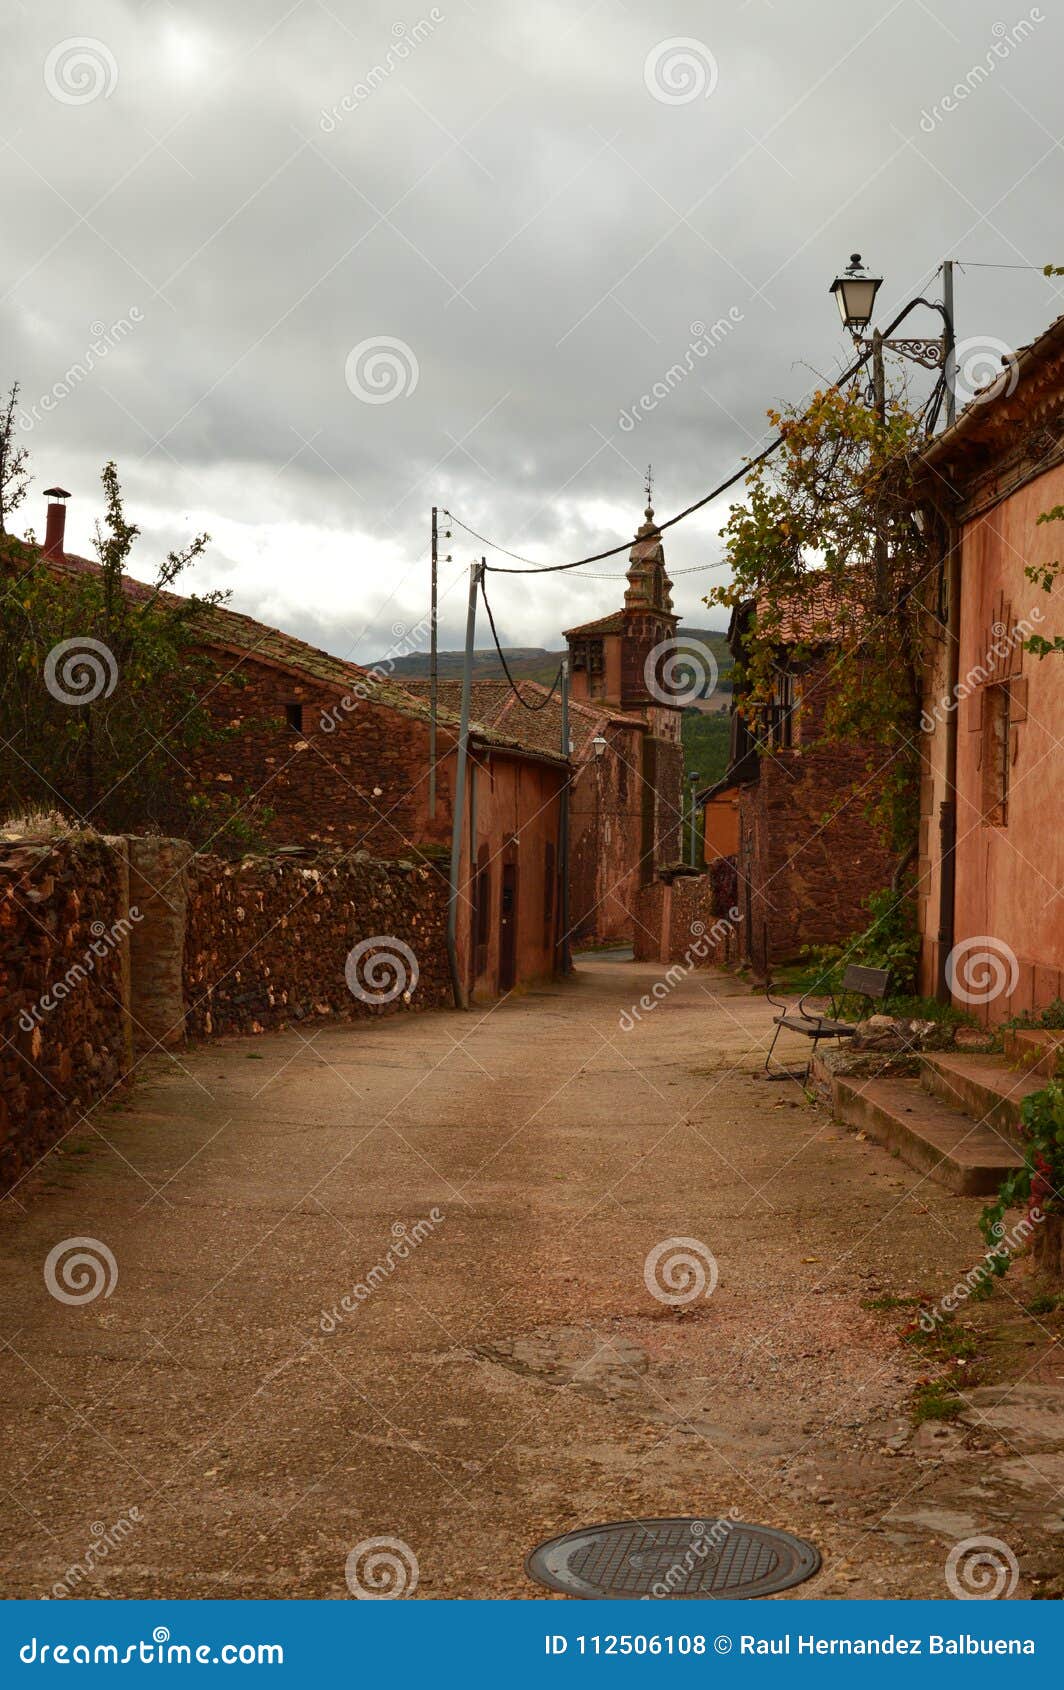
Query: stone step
{"type": "Point", "coordinates": [985, 1087]}
{"type": "Point", "coordinates": [1035, 1050]}
{"type": "Point", "coordinates": [929, 1135]}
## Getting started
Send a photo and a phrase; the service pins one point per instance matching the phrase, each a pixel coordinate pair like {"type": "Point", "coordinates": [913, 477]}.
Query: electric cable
{"type": "Point", "coordinates": [660, 527]}
{"type": "Point", "coordinates": [542, 705]}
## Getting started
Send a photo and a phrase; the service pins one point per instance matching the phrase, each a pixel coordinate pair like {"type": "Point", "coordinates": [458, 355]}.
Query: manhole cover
{"type": "Point", "coordinates": [685, 1559]}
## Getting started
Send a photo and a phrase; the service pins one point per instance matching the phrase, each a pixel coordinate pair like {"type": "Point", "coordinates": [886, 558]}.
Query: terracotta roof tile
{"type": "Point", "coordinates": [230, 630]}
{"type": "Point", "coordinates": [493, 705]}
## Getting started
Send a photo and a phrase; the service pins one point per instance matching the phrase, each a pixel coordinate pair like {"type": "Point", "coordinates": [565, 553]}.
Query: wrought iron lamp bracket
{"type": "Point", "coordinates": [930, 352]}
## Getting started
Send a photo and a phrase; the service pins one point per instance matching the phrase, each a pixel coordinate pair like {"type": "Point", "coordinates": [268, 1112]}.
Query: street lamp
{"type": "Point", "coordinates": [599, 745]}
{"type": "Point", "coordinates": [855, 294]}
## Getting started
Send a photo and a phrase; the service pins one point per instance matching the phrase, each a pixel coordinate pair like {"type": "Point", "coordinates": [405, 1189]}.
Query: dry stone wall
{"type": "Point", "coordinates": [65, 1029]}
{"type": "Point", "coordinates": [111, 949]}
{"type": "Point", "coordinates": [268, 940]}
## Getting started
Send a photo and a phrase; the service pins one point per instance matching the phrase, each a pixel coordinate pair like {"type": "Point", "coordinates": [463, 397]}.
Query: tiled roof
{"type": "Point", "coordinates": [813, 619]}
{"type": "Point", "coordinates": [612, 624]}
{"type": "Point", "coordinates": [493, 705]}
{"type": "Point", "coordinates": [229, 630]}
{"type": "Point", "coordinates": [816, 618]}
{"type": "Point", "coordinates": [994, 407]}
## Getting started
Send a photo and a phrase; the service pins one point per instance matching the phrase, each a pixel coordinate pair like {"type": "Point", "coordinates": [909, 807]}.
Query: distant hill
{"type": "Point", "coordinates": [534, 663]}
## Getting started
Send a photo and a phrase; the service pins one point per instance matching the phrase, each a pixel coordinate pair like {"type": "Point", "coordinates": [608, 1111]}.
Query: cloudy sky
{"type": "Point", "coordinates": [304, 268]}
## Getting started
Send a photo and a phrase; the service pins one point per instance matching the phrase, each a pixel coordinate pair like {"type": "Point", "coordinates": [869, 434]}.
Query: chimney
{"type": "Point", "coordinates": [55, 532]}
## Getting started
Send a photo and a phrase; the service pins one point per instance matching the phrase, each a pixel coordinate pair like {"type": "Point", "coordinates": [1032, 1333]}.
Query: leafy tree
{"type": "Point", "coordinates": [102, 688]}
{"type": "Point", "coordinates": [14, 475]}
{"type": "Point", "coordinates": [826, 540]}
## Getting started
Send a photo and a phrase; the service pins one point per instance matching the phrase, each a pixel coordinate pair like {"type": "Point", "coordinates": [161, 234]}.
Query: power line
{"type": "Point", "coordinates": [981, 264]}
{"type": "Point", "coordinates": [660, 527]}
{"type": "Point", "coordinates": [542, 705]}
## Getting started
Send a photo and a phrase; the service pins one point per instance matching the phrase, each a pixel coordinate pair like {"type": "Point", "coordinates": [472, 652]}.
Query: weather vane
{"type": "Point", "coordinates": [649, 481]}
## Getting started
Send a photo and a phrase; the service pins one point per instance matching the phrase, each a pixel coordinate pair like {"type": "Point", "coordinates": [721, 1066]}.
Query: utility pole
{"type": "Point", "coordinates": [949, 359]}
{"type": "Point", "coordinates": [461, 999]}
{"type": "Point", "coordinates": [433, 668]}
{"type": "Point", "coordinates": [563, 826]}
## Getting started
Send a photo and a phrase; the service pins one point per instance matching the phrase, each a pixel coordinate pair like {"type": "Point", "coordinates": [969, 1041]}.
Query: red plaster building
{"type": "Point", "coordinates": [991, 873]}
{"type": "Point", "coordinates": [605, 796]}
{"type": "Point", "coordinates": [807, 855]}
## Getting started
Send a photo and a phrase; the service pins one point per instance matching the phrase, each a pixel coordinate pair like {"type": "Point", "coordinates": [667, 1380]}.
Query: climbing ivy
{"type": "Point", "coordinates": [826, 538]}
{"type": "Point", "coordinates": [1040, 1181]}
{"type": "Point", "coordinates": [1045, 575]}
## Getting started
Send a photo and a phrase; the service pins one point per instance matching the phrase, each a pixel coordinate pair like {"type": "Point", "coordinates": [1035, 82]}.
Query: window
{"type": "Point", "coordinates": [996, 754]}
{"type": "Point", "coordinates": [293, 715]}
{"type": "Point", "coordinates": [780, 725]}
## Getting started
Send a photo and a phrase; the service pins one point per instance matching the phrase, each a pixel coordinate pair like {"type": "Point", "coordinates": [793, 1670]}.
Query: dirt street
{"type": "Point", "coordinates": [225, 1426]}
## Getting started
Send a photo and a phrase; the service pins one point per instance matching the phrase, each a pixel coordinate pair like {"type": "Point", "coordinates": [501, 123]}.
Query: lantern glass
{"type": "Point", "coordinates": [855, 292]}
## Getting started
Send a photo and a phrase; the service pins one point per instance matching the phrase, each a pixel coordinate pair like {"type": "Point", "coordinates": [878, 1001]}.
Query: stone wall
{"type": "Point", "coordinates": [354, 778]}
{"type": "Point", "coordinates": [107, 943]}
{"type": "Point", "coordinates": [65, 1032]}
{"type": "Point", "coordinates": [690, 919]}
{"type": "Point", "coordinates": [808, 855]}
{"type": "Point", "coordinates": [267, 941]}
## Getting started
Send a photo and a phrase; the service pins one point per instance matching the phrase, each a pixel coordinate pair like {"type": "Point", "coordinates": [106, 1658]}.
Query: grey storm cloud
{"type": "Point", "coordinates": [529, 218]}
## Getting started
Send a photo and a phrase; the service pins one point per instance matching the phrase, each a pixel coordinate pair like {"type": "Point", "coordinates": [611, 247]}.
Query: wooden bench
{"type": "Point", "coordinates": [857, 981]}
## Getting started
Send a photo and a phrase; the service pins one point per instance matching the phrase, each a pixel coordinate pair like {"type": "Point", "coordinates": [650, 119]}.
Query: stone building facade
{"type": "Point", "coordinates": [807, 854]}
